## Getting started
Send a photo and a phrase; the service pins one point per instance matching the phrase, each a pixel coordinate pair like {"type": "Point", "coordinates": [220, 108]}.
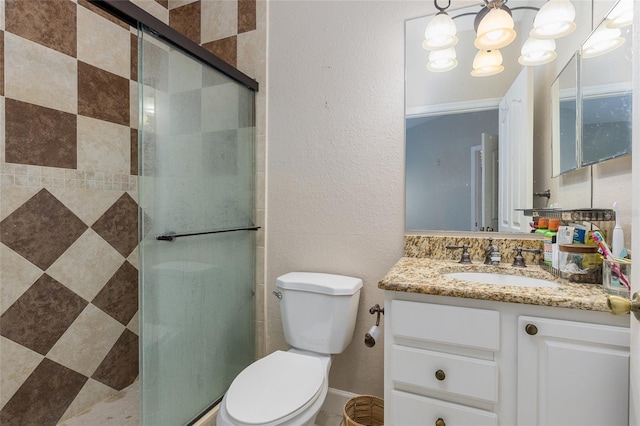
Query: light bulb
{"type": "Point", "coordinates": [495, 30]}
{"type": "Point", "coordinates": [442, 60]}
{"type": "Point", "coordinates": [554, 20]}
{"type": "Point", "coordinates": [537, 52]}
{"type": "Point", "coordinates": [440, 33]}
{"type": "Point", "coordinates": [621, 15]}
{"type": "Point", "coordinates": [603, 40]}
{"type": "Point", "coordinates": [486, 63]}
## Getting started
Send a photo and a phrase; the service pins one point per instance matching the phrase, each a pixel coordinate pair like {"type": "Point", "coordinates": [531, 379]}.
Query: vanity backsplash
{"type": "Point", "coordinates": [435, 247]}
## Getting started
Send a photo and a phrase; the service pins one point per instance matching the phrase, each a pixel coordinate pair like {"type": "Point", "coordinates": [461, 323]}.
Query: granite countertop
{"type": "Point", "coordinates": [425, 276]}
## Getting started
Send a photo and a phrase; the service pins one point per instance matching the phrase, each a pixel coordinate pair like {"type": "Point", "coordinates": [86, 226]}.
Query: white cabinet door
{"type": "Point", "coordinates": [572, 373]}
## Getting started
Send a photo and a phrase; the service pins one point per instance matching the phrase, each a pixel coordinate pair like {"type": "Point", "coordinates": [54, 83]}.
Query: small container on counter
{"type": "Point", "coordinates": [612, 281]}
{"type": "Point", "coordinates": [580, 263]}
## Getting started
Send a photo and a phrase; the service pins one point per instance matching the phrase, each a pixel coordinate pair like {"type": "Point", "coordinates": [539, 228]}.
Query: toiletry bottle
{"type": "Point", "coordinates": [543, 226]}
{"type": "Point", "coordinates": [617, 240]}
{"type": "Point", "coordinates": [550, 240]}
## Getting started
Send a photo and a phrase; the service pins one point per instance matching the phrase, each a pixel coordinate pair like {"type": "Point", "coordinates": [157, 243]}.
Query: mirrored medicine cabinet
{"type": "Point", "coordinates": [591, 98]}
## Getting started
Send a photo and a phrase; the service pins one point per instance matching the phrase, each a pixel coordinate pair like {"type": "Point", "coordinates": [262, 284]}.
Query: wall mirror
{"type": "Point", "coordinates": [565, 131]}
{"type": "Point", "coordinates": [442, 172]}
{"type": "Point", "coordinates": [606, 74]}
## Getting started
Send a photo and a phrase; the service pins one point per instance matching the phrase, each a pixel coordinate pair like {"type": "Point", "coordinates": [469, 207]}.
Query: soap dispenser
{"type": "Point", "coordinates": [492, 254]}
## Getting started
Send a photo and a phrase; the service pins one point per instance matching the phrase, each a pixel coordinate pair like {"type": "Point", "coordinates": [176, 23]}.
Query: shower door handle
{"type": "Point", "coordinates": [171, 237]}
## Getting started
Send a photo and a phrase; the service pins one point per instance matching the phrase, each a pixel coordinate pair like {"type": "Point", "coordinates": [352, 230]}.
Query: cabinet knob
{"type": "Point", "coordinates": [440, 422]}
{"type": "Point", "coordinates": [440, 376]}
{"type": "Point", "coordinates": [531, 329]}
{"type": "Point", "coordinates": [619, 305]}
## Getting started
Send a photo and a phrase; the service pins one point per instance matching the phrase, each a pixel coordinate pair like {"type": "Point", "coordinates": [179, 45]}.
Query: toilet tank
{"type": "Point", "coordinates": [318, 310]}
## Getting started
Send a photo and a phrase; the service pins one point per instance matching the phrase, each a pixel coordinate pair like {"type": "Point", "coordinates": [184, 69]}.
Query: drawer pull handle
{"type": "Point", "coordinates": [440, 376]}
{"type": "Point", "coordinates": [440, 422]}
{"type": "Point", "coordinates": [531, 329]}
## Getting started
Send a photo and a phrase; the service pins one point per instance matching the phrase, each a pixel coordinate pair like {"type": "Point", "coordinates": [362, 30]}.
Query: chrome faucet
{"type": "Point", "coordinates": [466, 257]}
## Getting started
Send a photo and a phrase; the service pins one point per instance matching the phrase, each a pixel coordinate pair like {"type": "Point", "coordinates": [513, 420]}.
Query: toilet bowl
{"type": "Point", "coordinates": [283, 388]}
{"type": "Point", "coordinates": [287, 388]}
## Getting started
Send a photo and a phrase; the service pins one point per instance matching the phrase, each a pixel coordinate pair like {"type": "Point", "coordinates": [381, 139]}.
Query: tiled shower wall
{"type": "Point", "coordinates": [68, 211]}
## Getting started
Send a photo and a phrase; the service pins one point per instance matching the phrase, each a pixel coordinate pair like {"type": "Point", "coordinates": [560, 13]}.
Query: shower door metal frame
{"type": "Point", "coordinates": [134, 15]}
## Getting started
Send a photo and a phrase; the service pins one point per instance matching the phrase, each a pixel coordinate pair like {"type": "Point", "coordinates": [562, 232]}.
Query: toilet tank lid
{"type": "Point", "coordinates": [317, 282]}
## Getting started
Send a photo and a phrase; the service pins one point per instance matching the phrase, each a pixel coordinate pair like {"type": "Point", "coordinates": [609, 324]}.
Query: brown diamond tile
{"type": "Point", "coordinates": [41, 229]}
{"type": "Point", "coordinates": [134, 152]}
{"type": "Point", "coordinates": [226, 49]}
{"type": "Point", "coordinates": [103, 95]}
{"type": "Point", "coordinates": [44, 396]}
{"type": "Point", "coordinates": [186, 20]}
{"type": "Point", "coordinates": [105, 15]}
{"type": "Point", "coordinates": [41, 315]}
{"type": "Point", "coordinates": [164, 3]}
{"type": "Point", "coordinates": [40, 136]}
{"type": "Point", "coordinates": [119, 297]}
{"type": "Point", "coordinates": [134, 57]}
{"type": "Point", "coordinates": [51, 23]}
{"type": "Point", "coordinates": [120, 367]}
{"type": "Point", "coordinates": [119, 225]}
{"type": "Point", "coordinates": [246, 15]}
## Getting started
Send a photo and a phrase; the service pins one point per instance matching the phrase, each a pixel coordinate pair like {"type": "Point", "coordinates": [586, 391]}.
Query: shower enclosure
{"type": "Point", "coordinates": [197, 248]}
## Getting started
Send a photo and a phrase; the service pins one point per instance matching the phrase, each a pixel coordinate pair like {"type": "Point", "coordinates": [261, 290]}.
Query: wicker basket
{"type": "Point", "coordinates": [364, 410]}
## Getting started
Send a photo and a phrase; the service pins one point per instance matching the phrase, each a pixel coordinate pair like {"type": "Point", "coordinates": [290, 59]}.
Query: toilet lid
{"type": "Point", "coordinates": [274, 387]}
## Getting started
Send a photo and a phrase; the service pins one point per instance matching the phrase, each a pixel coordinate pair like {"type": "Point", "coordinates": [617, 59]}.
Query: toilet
{"type": "Point", "coordinates": [318, 314]}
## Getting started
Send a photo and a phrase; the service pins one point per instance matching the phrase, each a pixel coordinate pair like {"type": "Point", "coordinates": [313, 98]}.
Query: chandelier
{"type": "Point", "coordinates": [494, 28]}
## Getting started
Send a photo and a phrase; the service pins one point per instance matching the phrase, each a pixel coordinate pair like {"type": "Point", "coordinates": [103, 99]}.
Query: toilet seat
{"type": "Point", "coordinates": [274, 388]}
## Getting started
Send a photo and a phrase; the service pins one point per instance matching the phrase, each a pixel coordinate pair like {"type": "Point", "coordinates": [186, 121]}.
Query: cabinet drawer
{"type": "Point", "coordinates": [469, 327]}
{"type": "Point", "coordinates": [409, 409]}
{"type": "Point", "coordinates": [459, 375]}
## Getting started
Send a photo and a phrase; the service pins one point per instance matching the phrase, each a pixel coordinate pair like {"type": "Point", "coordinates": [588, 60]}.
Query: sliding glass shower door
{"type": "Point", "coordinates": [196, 134]}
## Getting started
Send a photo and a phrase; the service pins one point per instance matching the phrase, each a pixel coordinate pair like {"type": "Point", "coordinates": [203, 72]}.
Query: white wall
{"type": "Point", "coordinates": [335, 156]}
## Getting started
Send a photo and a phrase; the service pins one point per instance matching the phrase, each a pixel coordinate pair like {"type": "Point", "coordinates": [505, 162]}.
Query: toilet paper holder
{"type": "Point", "coordinates": [374, 332]}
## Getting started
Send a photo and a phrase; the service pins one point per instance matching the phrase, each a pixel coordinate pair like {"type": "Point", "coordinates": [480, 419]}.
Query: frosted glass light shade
{"type": "Point", "coordinates": [487, 63]}
{"type": "Point", "coordinates": [554, 20]}
{"type": "Point", "coordinates": [621, 15]}
{"type": "Point", "coordinates": [442, 60]}
{"type": "Point", "coordinates": [603, 40]}
{"type": "Point", "coordinates": [440, 33]}
{"type": "Point", "coordinates": [537, 52]}
{"type": "Point", "coordinates": [495, 31]}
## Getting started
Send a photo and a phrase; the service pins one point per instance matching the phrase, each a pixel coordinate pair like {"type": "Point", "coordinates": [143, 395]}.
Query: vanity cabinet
{"type": "Point", "coordinates": [572, 373]}
{"type": "Point", "coordinates": [453, 361]}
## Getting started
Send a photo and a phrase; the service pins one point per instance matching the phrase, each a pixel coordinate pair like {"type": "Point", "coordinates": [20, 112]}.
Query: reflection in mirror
{"type": "Point", "coordinates": [565, 131]}
{"type": "Point", "coordinates": [606, 73]}
{"type": "Point", "coordinates": [457, 201]}
{"type": "Point", "coordinates": [442, 96]}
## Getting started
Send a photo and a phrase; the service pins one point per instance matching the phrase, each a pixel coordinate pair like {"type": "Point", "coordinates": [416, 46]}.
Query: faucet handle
{"type": "Point", "coordinates": [518, 259]}
{"type": "Point", "coordinates": [466, 257]}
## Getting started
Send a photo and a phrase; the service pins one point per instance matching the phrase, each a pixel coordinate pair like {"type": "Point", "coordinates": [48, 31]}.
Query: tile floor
{"type": "Point", "coordinates": [122, 410]}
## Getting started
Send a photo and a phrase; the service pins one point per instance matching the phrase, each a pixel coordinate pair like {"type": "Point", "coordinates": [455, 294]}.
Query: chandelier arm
{"type": "Point", "coordinates": [464, 14]}
{"type": "Point", "coordinates": [441, 9]}
{"type": "Point", "coordinates": [525, 7]}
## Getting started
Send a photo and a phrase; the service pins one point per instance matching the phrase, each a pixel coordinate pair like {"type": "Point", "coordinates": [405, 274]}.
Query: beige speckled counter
{"type": "Point", "coordinates": [425, 276]}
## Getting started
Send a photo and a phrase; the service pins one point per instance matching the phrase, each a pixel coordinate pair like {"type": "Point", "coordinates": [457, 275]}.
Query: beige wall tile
{"type": "Point", "coordinates": [153, 8]}
{"type": "Point", "coordinates": [134, 324]}
{"type": "Point", "coordinates": [78, 268]}
{"type": "Point", "coordinates": [87, 341]}
{"type": "Point", "coordinates": [18, 363]}
{"type": "Point", "coordinates": [2, 128]}
{"type": "Point", "coordinates": [103, 146]}
{"type": "Point", "coordinates": [177, 3]}
{"type": "Point", "coordinates": [219, 20]}
{"type": "Point", "coordinates": [133, 103]}
{"type": "Point", "coordinates": [247, 53]}
{"type": "Point", "coordinates": [39, 75]}
{"type": "Point", "coordinates": [14, 197]}
{"type": "Point", "coordinates": [17, 274]}
{"type": "Point", "coordinates": [223, 99]}
{"type": "Point", "coordinates": [2, 15]}
{"type": "Point", "coordinates": [103, 44]}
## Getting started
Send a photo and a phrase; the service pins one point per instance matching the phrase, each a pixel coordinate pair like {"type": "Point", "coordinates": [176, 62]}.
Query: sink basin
{"type": "Point", "coordinates": [501, 279]}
